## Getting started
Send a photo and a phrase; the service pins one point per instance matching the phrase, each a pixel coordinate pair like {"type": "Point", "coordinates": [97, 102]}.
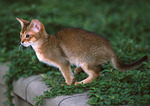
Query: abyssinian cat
{"type": "Point", "coordinates": [72, 46]}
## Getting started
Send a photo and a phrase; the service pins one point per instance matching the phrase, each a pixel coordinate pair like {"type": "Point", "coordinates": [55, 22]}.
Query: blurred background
{"type": "Point", "coordinates": [126, 23]}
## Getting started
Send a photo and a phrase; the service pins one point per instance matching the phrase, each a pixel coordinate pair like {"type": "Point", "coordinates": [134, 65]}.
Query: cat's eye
{"type": "Point", "coordinates": [27, 36]}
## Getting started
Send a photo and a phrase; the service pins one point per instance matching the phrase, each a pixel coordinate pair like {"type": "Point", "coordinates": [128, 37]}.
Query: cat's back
{"type": "Point", "coordinates": [81, 37]}
{"type": "Point", "coordinates": [76, 32]}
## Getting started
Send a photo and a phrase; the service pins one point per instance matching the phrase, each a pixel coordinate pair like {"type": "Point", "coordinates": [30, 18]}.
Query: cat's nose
{"type": "Point", "coordinates": [22, 41]}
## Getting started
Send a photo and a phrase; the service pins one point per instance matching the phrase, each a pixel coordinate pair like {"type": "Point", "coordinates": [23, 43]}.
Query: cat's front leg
{"type": "Point", "coordinates": [67, 74]}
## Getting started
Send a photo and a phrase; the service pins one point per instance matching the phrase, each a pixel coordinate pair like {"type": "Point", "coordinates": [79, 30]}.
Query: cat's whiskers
{"type": "Point", "coordinates": [20, 47]}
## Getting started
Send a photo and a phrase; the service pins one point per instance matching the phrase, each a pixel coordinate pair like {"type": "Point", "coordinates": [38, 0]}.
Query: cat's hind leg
{"type": "Point", "coordinates": [77, 70]}
{"type": "Point", "coordinates": [92, 71]}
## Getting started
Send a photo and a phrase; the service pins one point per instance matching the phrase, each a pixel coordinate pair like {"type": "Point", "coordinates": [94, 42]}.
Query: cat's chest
{"type": "Point", "coordinates": [40, 56]}
{"type": "Point", "coordinates": [45, 59]}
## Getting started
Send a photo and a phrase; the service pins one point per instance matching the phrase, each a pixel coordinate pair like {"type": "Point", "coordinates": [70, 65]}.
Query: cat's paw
{"type": "Point", "coordinates": [63, 84]}
{"type": "Point", "coordinates": [76, 83]}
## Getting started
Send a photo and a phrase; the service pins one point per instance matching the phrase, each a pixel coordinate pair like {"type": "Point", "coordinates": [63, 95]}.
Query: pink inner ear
{"type": "Point", "coordinates": [37, 27]}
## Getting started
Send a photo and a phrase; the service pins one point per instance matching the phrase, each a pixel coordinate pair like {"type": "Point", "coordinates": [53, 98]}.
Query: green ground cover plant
{"type": "Point", "coordinates": [124, 23]}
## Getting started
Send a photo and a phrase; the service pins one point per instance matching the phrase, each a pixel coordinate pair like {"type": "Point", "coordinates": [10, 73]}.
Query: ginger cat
{"type": "Point", "coordinates": [72, 46]}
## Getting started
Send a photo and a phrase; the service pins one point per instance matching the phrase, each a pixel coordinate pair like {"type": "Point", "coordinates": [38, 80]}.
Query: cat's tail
{"type": "Point", "coordinates": [124, 67]}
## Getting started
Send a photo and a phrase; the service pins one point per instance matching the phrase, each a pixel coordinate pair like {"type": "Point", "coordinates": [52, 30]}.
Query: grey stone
{"type": "Point", "coordinates": [3, 97]}
{"type": "Point", "coordinates": [3, 68]}
{"type": "Point", "coordinates": [55, 101]}
{"type": "Point", "coordinates": [35, 88]}
{"type": "Point", "coordinates": [3, 88]}
{"type": "Point", "coordinates": [18, 101]}
{"type": "Point", "coordinates": [75, 100]}
{"type": "Point", "coordinates": [70, 100]}
{"type": "Point", "coordinates": [20, 86]}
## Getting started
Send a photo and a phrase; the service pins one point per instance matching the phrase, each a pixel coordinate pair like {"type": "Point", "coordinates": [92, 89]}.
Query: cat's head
{"type": "Point", "coordinates": [31, 32]}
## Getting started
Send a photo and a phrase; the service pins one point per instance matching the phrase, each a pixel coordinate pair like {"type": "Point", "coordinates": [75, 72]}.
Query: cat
{"type": "Point", "coordinates": [72, 46]}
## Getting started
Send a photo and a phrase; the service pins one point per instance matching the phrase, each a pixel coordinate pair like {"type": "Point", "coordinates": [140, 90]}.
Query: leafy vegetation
{"type": "Point", "coordinates": [124, 23]}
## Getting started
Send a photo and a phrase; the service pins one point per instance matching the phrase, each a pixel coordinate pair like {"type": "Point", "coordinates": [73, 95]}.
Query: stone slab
{"type": "Point", "coordinates": [75, 100]}
{"type": "Point", "coordinates": [3, 68]}
{"type": "Point", "coordinates": [20, 86]}
{"type": "Point", "coordinates": [35, 88]}
{"type": "Point", "coordinates": [70, 100]}
{"type": "Point", "coordinates": [3, 97]}
{"type": "Point", "coordinates": [18, 101]}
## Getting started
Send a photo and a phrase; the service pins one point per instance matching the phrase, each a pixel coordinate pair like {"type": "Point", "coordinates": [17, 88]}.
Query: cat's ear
{"type": "Point", "coordinates": [22, 22]}
{"type": "Point", "coordinates": [36, 25]}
